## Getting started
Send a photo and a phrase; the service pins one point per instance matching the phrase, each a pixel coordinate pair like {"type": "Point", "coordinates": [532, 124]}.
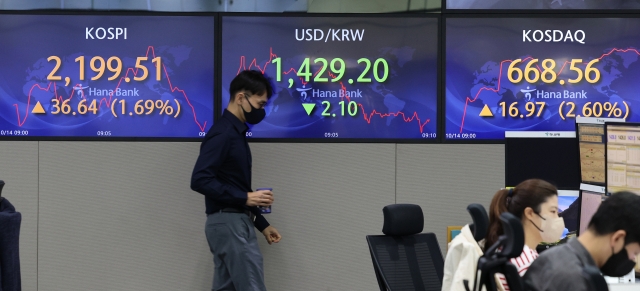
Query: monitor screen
{"type": "Point", "coordinates": [552, 159]}
{"type": "Point", "coordinates": [338, 77]}
{"type": "Point", "coordinates": [589, 205]}
{"type": "Point", "coordinates": [591, 143]}
{"type": "Point", "coordinates": [537, 73]}
{"type": "Point", "coordinates": [623, 157]}
{"type": "Point", "coordinates": [569, 210]}
{"type": "Point", "coordinates": [106, 76]}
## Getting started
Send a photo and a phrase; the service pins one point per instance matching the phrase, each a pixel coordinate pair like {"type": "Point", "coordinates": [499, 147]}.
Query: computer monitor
{"type": "Point", "coordinates": [569, 210]}
{"type": "Point", "coordinates": [622, 157]}
{"type": "Point", "coordinates": [591, 143]}
{"type": "Point", "coordinates": [534, 155]}
{"type": "Point", "coordinates": [590, 201]}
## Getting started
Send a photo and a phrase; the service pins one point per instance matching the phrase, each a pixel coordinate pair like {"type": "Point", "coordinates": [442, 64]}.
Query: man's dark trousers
{"type": "Point", "coordinates": [236, 254]}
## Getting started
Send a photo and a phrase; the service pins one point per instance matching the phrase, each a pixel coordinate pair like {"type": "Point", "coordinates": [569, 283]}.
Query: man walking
{"type": "Point", "coordinates": [222, 174]}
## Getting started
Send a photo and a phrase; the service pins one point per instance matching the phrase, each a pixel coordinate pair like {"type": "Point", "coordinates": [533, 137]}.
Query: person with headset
{"type": "Point", "coordinates": [535, 203]}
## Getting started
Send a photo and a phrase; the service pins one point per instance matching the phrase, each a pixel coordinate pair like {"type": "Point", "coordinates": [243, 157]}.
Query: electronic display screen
{"type": "Point", "coordinates": [589, 205]}
{"type": "Point", "coordinates": [591, 142]}
{"type": "Point", "coordinates": [338, 77]}
{"type": "Point", "coordinates": [568, 209]}
{"type": "Point", "coordinates": [106, 76]}
{"type": "Point", "coordinates": [538, 73]}
{"type": "Point", "coordinates": [527, 158]}
{"type": "Point", "coordinates": [623, 158]}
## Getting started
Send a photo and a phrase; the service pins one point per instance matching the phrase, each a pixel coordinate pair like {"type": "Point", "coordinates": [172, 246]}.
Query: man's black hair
{"type": "Point", "coordinates": [620, 211]}
{"type": "Point", "coordinates": [253, 81]}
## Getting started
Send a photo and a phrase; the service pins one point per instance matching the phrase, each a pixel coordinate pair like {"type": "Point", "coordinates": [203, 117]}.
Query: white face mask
{"type": "Point", "coordinates": [551, 229]}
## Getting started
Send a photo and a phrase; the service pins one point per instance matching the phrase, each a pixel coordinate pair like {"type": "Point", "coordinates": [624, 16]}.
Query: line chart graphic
{"type": "Point", "coordinates": [382, 86]}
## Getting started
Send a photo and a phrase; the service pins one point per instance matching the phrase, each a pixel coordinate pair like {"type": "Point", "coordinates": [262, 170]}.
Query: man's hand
{"type": "Point", "coordinates": [271, 234]}
{"type": "Point", "coordinates": [260, 198]}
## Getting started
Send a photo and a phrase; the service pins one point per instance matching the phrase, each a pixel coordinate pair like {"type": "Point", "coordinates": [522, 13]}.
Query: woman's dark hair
{"type": "Point", "coordinates": [530, 193]}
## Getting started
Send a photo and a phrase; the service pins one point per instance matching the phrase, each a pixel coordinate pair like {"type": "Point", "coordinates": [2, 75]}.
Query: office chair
{"type": "Point", "coordinates": [493, 261]}
{"type": "Point", "coordinates": [404, 258]}
{"type": "Point", "coordinates": [480, 225]}
{"type": "Point", "coordinates": [1, 186]}
{"type": "Point", "coordinates": [10, 221]}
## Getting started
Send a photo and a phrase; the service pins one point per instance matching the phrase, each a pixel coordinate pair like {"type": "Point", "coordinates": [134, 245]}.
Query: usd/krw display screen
{"type": "Point", "coordinates": [106, 76]}
{"type": "Point", "coordinates": [538, 74]}
{"type": "Point", "coordinates": [338, 77]}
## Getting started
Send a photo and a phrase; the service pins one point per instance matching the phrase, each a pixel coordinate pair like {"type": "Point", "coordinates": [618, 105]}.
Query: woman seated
{"type": "Point", "coordinates": [535, 203]}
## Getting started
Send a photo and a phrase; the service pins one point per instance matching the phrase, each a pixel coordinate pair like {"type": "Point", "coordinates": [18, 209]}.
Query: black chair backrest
{"type": "Point", "coordinates": [480, 225]}
{"type": "Point", "coordinates": [411, 262]}
{"type": "Point", "coordinates": [515, 233]}
{"type": "Point", "coordinates": [402, 219]}
{"type": "Point", "coordinates": [514, 280]}
{"type": "Point", "coordinates": [404, 258]}
{"type": "Point", "coordinates": [593, 276]}
{"type": "Point", "coordinates": [497, 257]}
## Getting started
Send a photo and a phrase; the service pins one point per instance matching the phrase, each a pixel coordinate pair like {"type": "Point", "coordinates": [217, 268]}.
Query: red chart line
{"type": "Point", "coordinates": [106, 100]}
{"type": "Point", "coordinates": [497, 88]}
{"type": "Point", "coordinates": [343, 88]}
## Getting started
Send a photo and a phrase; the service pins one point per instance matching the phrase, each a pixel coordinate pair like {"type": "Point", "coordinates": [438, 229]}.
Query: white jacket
{"type": "Point", "coordinates": [461, 261]}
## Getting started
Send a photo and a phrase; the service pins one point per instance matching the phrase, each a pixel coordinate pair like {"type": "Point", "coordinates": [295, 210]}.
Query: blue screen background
{"type": "Point", "coordinates": [477, 49]}
{"type": "Point", "coordinates": [184, 43]}
{"type": "Point", "coordinates": [402, 107]}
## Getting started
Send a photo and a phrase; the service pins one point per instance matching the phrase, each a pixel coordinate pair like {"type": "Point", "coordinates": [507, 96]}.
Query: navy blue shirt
{"type": "Point", "coordinates": [223, 170]}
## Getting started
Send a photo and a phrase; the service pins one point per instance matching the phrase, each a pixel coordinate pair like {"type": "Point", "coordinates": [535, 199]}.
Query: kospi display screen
{"type": "Point", "coordinates": [338, 77]}
{"type": "Point", "coordinates": [538, 73]}
{"type": "Point", "coordinates": [106, 76]}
